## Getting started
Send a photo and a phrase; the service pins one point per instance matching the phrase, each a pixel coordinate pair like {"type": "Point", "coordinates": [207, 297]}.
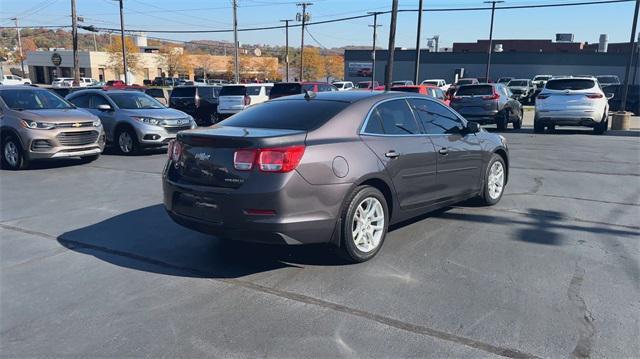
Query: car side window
{"type": "Point", "coordinates": [81, 101]}
{"type": "Point", "coordinates": [439, 94]}
{"type": "Point", "coordinates": [436, 118]}
{"type": "Point", "coordinates": [97, 100]}
{"type": "Point", "coordinates": [253, 90]}
{"type": "Point", "coordinates": [392, 118]}
{"type": "Point", "coordinates": [205, 92]}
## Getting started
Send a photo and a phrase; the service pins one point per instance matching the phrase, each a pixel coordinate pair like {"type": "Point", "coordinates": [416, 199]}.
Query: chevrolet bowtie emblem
{"type": "Point", "coordinates": [76, 124]}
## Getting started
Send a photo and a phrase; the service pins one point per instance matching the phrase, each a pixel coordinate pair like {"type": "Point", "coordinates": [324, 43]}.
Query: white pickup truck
{"type": "Point", "coordinates": [444, 86]}
{"type": "Point", "coordinates": [13, 80]}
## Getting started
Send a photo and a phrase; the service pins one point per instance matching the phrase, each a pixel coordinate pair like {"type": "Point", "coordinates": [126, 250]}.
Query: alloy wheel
{"type": "Point", "coordinates": [11, 153]}
{"type": "Point", "coordinates": [496, 180]}
{"type": "Point", "coordinates": [125, 142]}
{"type": "Point", "coordinates": [367, 226]}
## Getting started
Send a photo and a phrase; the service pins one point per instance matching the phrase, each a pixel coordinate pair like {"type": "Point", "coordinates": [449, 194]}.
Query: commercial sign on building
{"type": "Point", "coordinates": [359, 69]}
{"type": "Point", "coordinates": [56, 59]}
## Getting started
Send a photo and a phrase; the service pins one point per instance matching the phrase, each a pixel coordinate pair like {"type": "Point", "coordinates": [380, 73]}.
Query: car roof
{"type": "Point", "coordinates": [21, 87]}
{"type": "Point", "coordinates": [103, 91]}
{"type": "Point", "coordinates": [345, 96]}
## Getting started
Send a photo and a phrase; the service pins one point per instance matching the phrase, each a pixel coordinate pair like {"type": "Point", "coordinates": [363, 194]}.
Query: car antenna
{"type": "Point", "coordinates": [308, 95]}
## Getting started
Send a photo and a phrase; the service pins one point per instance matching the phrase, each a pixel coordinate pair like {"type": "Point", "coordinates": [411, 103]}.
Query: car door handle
{"type": "Point", "coordinates": [392, 154]}
{"type": "Point", "coordinates": [443, 151]}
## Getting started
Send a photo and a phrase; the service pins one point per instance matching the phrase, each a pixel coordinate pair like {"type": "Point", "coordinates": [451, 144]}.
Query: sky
{"type": "Point", "coordinates": [586, 22]}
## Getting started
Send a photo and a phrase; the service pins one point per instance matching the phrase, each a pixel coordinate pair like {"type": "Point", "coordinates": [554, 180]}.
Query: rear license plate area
{"type": "Point", "coordinates": [199, 207]}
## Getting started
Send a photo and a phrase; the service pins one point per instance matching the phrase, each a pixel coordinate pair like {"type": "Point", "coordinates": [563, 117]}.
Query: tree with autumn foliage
{"type": "Point", "coordinates": [115, 54]}
{"type": "Point", "coordinates": [334, 66]}
{"type": "Point", "coordinates": [175, 60]}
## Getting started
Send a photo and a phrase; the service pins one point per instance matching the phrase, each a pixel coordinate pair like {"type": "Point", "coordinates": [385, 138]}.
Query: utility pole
{"type": "Point", "coordinates": [493, 10]}
{"type": "Point", "coordinates": [373, 48]}
{"type": "Point", "coordinates": [304, 20]}
{"type": "Point", "coordinates": [74, 36]}
{"type": "Point", "coordinates": [417, 68]}
{"type": "Point", "coordinates": [388, 77]}
{"type": "Point", "coordinates": [19, 45]}
{"type": "Point", "coordinates": [124, 50]}
{"type": "Point", "coordinates": [625, 88]}
{"type": "Point", "coordinates": [286, 53]}
{"type": "Point", "coordinates": [236, 62]}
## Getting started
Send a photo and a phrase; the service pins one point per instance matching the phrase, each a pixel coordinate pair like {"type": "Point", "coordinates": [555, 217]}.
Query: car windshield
{"type": "Point", "coordinates": [475, 90]}
{"type": "Point", "coordinates": [233, 91]}
{"type": "Point", "coordinates": [465, 82]}
{"type": "Point", "coordinates": [608, 79]}
{"type": "Point", "coordinates": [570, 84]}
{"type": "Point", "coordinates": [518, 83]}
{"type": "Point", "coordinates": [284, 89]}
{"type": "Point", "coordinates": [336, 84]}
{"type": "Point", "coordinates": [33, 100]}
{"type": "Point", "coordinates": [183, 92]}
{"type": "Point", "coordinates": [134, 101]}
{"type": "Point", "coordinates": [541, 78]}
{"type": "Point", "coordinates": [504, 79]}
{"type": "Point", "coordinates": [363, 85]}
{"type": "Point", "coordinates": [287, 114]}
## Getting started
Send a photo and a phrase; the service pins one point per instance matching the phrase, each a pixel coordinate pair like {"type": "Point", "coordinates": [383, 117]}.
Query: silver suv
{"type": "Point", "coordinates": [38, 124]}
{"type": "Point", "coordinates": [132, 119]}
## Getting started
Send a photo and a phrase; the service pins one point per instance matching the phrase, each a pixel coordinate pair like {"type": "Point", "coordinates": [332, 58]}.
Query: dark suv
{"type": "Point", "coordinates": [282, 89]}
{"type": "Point", "coordinates": [488, 104]}
{"type": "Point", "coordinates": [201, 102]}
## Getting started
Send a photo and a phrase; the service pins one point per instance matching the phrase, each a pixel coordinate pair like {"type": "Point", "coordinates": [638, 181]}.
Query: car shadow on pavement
{"type": "Point", "coordinates": [147, 239]}
{"type": "Point", "coordinates": [37, 165]}
{"type": "Point", "coordinates": [112, 151]}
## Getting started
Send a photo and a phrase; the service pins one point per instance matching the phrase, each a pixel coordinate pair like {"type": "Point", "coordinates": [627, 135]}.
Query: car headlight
{"type": "Point", "coordinates": [35, 125]}
{"type": "Point", "coordinates": [150, 120]}
{"type": "Point", "coordinates": [97, 123]}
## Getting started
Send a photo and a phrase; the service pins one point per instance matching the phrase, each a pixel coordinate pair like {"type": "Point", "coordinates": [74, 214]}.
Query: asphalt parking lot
{"type": "Point", "coordinates": [92, 266]}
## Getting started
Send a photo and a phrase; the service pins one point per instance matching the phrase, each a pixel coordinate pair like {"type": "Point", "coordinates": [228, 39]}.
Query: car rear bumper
{"type": "Point", "coordinates": [483, 118]}
{"type": "Point", "coordinates": [303, 213]}
{"type": "Point", "coordinates": [588, 118]}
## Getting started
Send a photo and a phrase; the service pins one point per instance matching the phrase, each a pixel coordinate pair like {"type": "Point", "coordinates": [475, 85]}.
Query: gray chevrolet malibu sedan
{"type": "Point", "coordinates": [336, 167]}
{"type": "Point", "coordinates": [132, 120]}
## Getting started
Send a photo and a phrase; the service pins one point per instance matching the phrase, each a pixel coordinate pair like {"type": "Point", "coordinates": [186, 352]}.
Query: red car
{"type": "Point", "coordinates": [282, 89]}
{"type": "Point", "coordinates": [428, 90]}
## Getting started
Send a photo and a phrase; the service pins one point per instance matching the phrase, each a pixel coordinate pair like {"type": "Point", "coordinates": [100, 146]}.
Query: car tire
{"type": "Point", "coordinates": [12, 156]}
{"type": "Point", "coordinates": [502, 120]}
{"type": "Point", "coordinates": [601, 128]}
{"type": "Point", "coordinates": [495, 178]}
{"type": "Point", "coordinates": [537, 126]}
{"type": "Point", "coordinates": [126, 141]}
{"type": "Point", "coordinates": [362, 237]}
{"type": "Point", "coordinates": [517, 124]}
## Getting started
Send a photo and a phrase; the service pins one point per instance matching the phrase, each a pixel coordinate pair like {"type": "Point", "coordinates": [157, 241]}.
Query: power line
{"type": "Point", "coordinates": [511, 7]}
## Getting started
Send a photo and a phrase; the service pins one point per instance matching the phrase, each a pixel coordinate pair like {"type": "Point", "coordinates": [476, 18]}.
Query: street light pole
{"type": "Point", "coordinates": [124, 49]}
{"type": "Point", "coordinates": [304, 20]}
{"type": "Point", "coordinates": [286, 54]}
{"type": "Point", "coordinates": [493, 10]}
{"type": "Point", "coordinates": [417, 68]}
{"type": "Point", "coordinates": [388, 76]}
{"type": "Point", "coordinates": [236, 61]}
{"type": "Point", "coordinates": [625, 88]}
{"type": "Point", "coordinates": [74, 36]}
{"type": "Point", "coordinates": [373, 48]}
{"type": "Point", "coordinates": [19, 45]}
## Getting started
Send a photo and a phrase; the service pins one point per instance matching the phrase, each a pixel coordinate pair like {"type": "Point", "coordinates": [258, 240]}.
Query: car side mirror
{"type": "Point", "coordinates": [610, 95]}
{"type": "Point", "coordinates": [473, 127]}
{"type": "Point", "coordinates": [104, 107]}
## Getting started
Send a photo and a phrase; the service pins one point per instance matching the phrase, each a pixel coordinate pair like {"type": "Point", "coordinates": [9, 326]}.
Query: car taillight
{"type": "Point", "coordinates": [174, 151]}
{"type": "Point", "coordinates": [279, 159]}
{"type": "Point", "coordinates": [247, 100]}
{"type": "Point", "coordinates": [594, 95]}
{"type": "Point", "coordinates": [243, 159]}
{"type": "Point", "coordinates": [541, 97]}
{"type": "Point", "coordinates": [495, 96]}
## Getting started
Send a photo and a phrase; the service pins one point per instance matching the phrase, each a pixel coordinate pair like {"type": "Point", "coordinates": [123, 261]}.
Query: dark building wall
{"type": "Point", "coordinates": [519, 46]}
{"type": "Point", "coordinates": [516, 64]}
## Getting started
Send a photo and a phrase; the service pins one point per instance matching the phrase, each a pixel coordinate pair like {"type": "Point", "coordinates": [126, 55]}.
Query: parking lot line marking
{"type": "Point", "coordinates": [576, 171]}
{"type": "Point", "coordinates": [574, 198]}
{"type": "Point", "coordinates": [395, 323]}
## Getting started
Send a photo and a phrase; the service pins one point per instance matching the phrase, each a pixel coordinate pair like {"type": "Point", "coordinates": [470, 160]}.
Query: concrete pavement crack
{"type": "Point", "coordinates": [585, 320]}
{"type": "Point", "coordinates": [388, 321]}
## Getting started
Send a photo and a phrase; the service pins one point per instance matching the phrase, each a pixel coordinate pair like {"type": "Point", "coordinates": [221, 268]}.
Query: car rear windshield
{"type": "Point", "coordinates": [406, 89]}
{"type": "Point", "coordinates": [33, 100]}
{"type": "Point", "coordinates": [362, 85]}
{"type": "Point", "coordinates": [570, 84]}
{"type": "Point", "coordinates": [475, 90]}
{"type": "Point", "coordinates": [432, 83]}
{"type": "Point", "coordinates": [287, 114]}
{"type": "Point", "coordinates": [183, 92]}
{"type": "Point", "coordinates": [233, 91]}
{"type": "Point", "coordinates": [518, 83]}
{"type": "Point", "coordinates": [541, 78]}
{"type": "Point", "coordinates": [465, 82]}
{"type": "Point", "coordinates": [286, 89]}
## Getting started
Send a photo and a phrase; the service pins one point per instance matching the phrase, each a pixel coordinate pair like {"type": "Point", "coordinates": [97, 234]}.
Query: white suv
{"type": "Point", "coordinates": [59, 82]}
{"type": "Point", "coordinates": [13, 80]}
{"type": "Point", "coordinates": [235, 98]}
{"type": "Point", "coordinates": [343, 85]}
{"type": "Point", "coordinates": [437, 82]}
{"type": "Point", "coordinates": [577, 101]}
